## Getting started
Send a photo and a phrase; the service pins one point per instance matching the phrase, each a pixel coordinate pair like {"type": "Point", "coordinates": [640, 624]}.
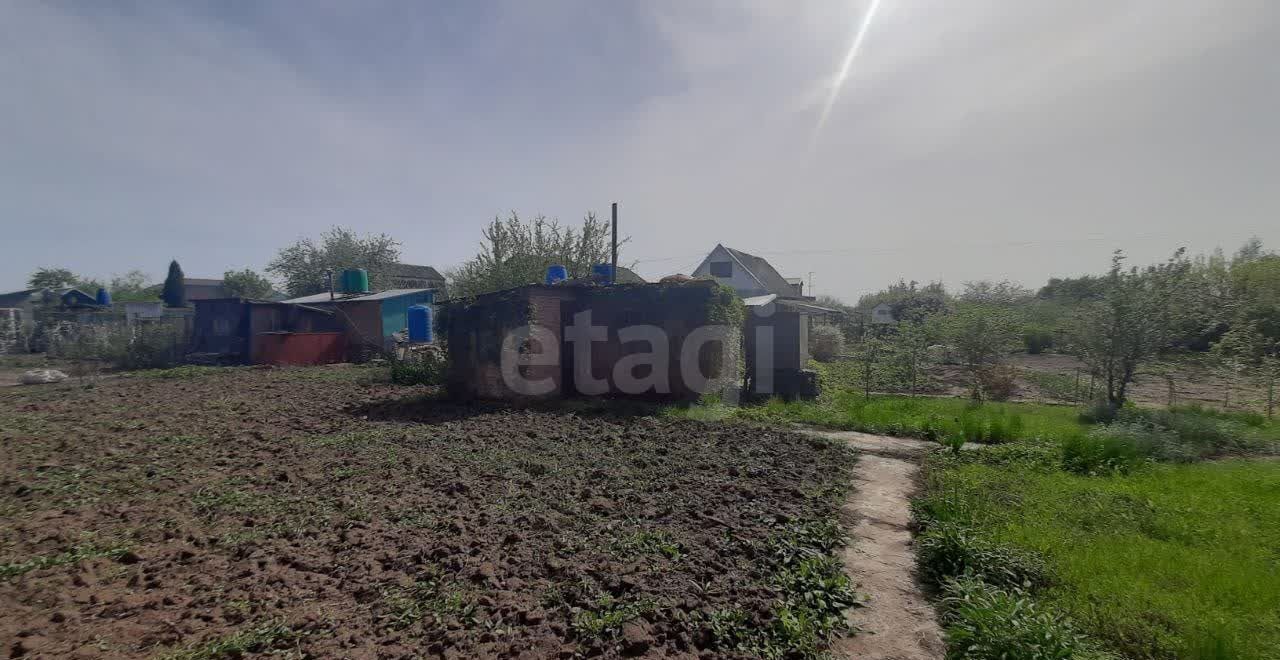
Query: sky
{"type": "Point", "coordinates": [984, 139]}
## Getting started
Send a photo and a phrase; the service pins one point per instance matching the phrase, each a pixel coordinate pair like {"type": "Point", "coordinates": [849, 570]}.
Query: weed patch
{"type": "Point", "coordinates": [269, 636]}
{"type": "Point", "coordinates": [605, 617]}
{"type": "Point", "coordinates": [986, 622]}
{"type": "Point", "coordinates": [75, 555]}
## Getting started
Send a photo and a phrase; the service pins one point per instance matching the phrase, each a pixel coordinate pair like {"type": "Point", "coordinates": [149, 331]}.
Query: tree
{"type": "Point", "coordinates": [174, 293]}
{"type": "Point", "coordinates": [52, 278]}
{"type": "Point", "coordinates": [304, 265]}
{"type": "Point", "coordinates": [1132, 322]}
{"type": "Point", "coordinates": [516, 252]}
{"type": "Point", "coordinates": [1073, 289]}
{"type": "Point", "coordinates": [246, 284]}
{"type": "Point", "coordinates": [909, 300]}
{"type": "Point", "coordinates": [131, 287]}
{"type": "Point", "coordinates": [910, 349]}
{"type": "Point", "coordinates": [1003, 292]}
{"type": "Point", "coordinates": [981, 335]}
{"type": "Point", "coordinates": [1247, 349]}
{"type": "Point", "coordinates": [869, 353]}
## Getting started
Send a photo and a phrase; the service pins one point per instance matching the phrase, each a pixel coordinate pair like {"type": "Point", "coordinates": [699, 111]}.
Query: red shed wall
{"type": "Point", "coordinates": [299, 348]}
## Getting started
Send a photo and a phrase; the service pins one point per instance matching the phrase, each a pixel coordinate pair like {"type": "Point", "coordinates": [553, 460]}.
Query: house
{"type": "Point", "coordinates": [776, 339]}
{"type": "Point", "coordinates": [23, 303]}
{"type": "Point", "coordinates": [196, 288]}
{"type": "Point", "coordinates": [408, 276]}
{"type": "Point", "coordinates": [199, 288]}
{"type": "Point", "coordinates": [747, 274]}
{"type": "Point", "coordinates": [624, 275]}
{"type": "Point", "coordinates": [28, 301]}
{"type": "Point", "coordinates": [370, 319]}
{"type": "Point", "coordinates": [265, 332]}
{"type": "Point", "coordinates": [882, 314]}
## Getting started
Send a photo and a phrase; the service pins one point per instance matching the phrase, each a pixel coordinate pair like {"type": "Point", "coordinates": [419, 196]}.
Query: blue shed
{"type": "Point", "coordinates": [395, 306]}
{"type": "Point", "coordinates": [371, 319]}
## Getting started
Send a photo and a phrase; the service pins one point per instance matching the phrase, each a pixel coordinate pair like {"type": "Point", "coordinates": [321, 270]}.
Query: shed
{"type": "Point", "coordinates": [370, 320]}
{"type": "Point", "coordinates": [697, 324]}
{"type": "Point", "coordinates": [882, 314]}
{"type": "Point", "coordinates": [776, 345]}
{"type": "Point", "coordinates": [227, 326]}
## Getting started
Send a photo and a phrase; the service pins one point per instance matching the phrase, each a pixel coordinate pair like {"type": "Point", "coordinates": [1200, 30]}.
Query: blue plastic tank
{"type": "Point", "coordinates": [603, 272]}
{"type": "Point", "coordinates": [557, 273]}
{"type": "Point", "coordinates": [104, 297]}
{"type": "Point", "coordinates": [419, 319]}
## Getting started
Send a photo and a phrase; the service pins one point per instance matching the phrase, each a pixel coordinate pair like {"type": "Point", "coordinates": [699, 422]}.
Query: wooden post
{"type": "Point", "coordinates": [613, 270]}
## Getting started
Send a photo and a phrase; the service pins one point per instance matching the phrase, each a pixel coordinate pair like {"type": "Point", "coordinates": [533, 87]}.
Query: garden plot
{"type": "Point", "coordinates": [212, 512]}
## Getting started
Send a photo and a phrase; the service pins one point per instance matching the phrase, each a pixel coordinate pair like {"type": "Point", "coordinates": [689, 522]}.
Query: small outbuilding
{"type": "Point", "coordinates": [370, 320]}
{"type": "Point", "coordinates": [666, 341]}
{"type": "Point", "coordinates": [227, 330]}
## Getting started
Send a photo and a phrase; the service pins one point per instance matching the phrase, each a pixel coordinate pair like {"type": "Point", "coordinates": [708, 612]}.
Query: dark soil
{"type": "Point", "coordinates": [321, 512]}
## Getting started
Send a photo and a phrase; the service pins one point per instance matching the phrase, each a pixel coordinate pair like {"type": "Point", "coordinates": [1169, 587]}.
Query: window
{"type": "Point", "coordinates": [722, 269]}
{"type": "Point", "coordinates": [221, 327]}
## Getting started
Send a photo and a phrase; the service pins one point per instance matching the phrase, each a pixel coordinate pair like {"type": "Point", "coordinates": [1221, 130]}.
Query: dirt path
{"type": "Point", "coordinates": [898, 622]}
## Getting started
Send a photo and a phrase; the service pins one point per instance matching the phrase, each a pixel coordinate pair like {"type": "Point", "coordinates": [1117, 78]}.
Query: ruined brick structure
{"type": "Point", "coordinates": [474, 330]}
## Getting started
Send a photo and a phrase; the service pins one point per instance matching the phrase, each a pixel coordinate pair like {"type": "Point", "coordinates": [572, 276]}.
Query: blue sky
{"type": "Point", "coordinates": [970, 140]}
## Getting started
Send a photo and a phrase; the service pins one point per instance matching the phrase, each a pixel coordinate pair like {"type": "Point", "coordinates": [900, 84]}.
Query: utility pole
{"type": "Point", "coordinates": [613, 270]}
{"type": "Point", "coordinates": [811, 283]}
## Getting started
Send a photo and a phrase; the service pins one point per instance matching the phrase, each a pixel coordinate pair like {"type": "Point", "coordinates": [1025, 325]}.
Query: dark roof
{"type": "Point", "coordinates": [200, 281]}
{"type": "Point", "coordinates": [19, 297]}
{"type": "Point", "coordinates": [625, 275]}
{"type": "Point", "coordinates": [410, 270]}
{"type": "Point", "coordinates": [762, 270]}
{"type": "Point", "coordinates": [324, 297]}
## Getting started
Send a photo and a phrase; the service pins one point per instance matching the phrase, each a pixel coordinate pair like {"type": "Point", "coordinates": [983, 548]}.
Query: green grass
{"type": "Point", "coordinates": [1169, 561]}
{"type": "Point", "coordinates": [181, 372]}
{"type": "Point", "coordinates": [922, 417]}
{"type": "Point", "coordinates": [75, 555]}
{"type": "Point", "coordinates": [269, 636]}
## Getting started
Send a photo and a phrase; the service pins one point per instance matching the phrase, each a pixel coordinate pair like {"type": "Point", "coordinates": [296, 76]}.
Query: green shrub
{"type": "Point", "coordinates": [141, 345]}
{"type": "Point", "coordinates": [949, 550]}
{"type": "Point", "coordinates": [826, 342]}
{"type": "Point", "coordinates": [423, 369]}
{"type": "Point", "coordinates": [998, 382]}
{"type": "Point", "coordinates": [1117, 448]}
{"type": "Point", "coordinates": [1037, 339]}
{"type": "Point", "coordinates": [1203, 432]}
{"type": "Point", "coordinates": [1099, 413]}
{"type": "Point", "coordinates": [983, 621]}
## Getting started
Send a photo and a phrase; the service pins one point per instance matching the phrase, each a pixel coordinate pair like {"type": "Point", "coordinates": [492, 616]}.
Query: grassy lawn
{"type": "Point", "coordinates": [1069, 539]}
{"type": "Point", "coordinates": [925, 417]}
{"type": "Point", "coordinates": [1171, 561]}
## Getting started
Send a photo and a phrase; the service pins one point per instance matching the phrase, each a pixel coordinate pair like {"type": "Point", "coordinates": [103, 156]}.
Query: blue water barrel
{"type": "Point", "coordinates": [420, 323]}
{"type": "Point", "coordinates": [557, 273]}
{"type": "Point", "coordinates": [603, 272]}
{"type": "Point", "coordinates": [104, 297]}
